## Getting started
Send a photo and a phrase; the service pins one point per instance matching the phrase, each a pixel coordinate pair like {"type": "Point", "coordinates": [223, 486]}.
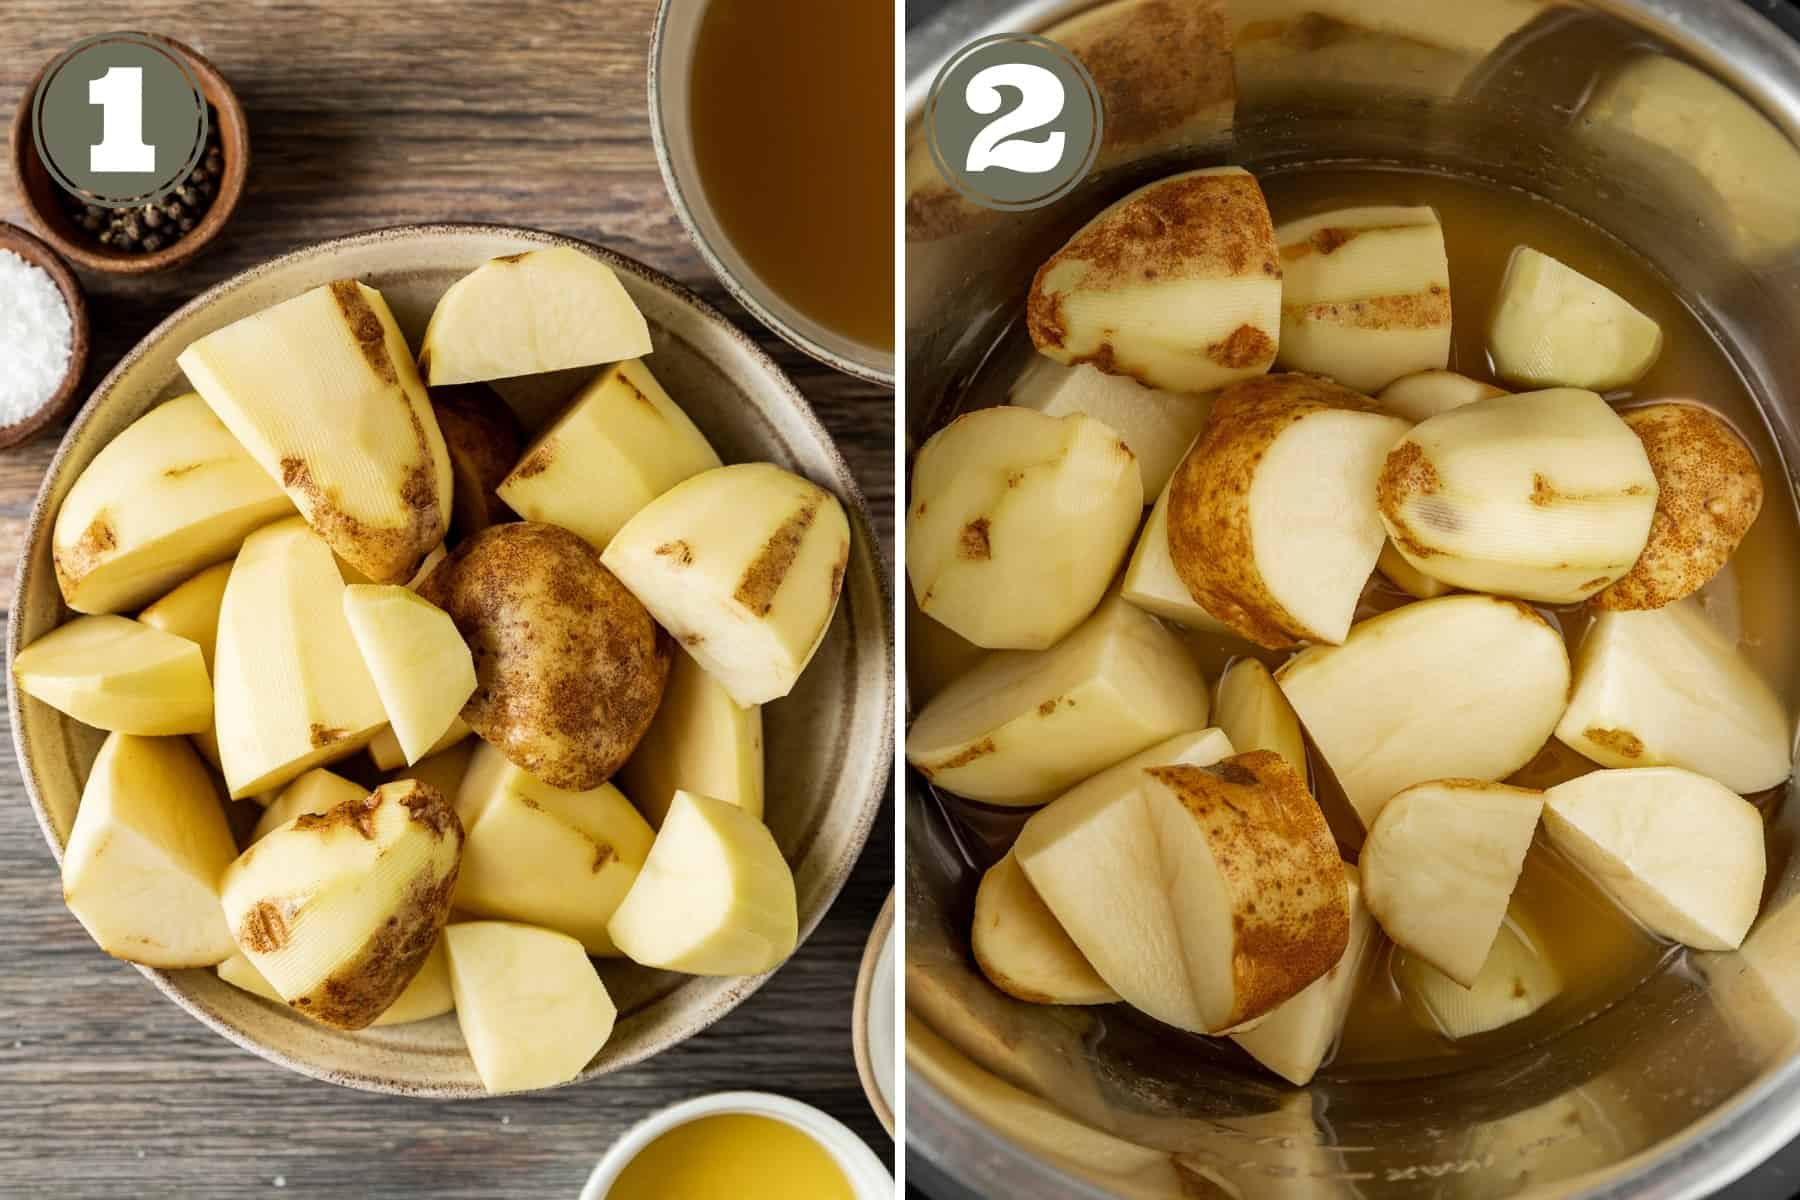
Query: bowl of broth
{"type": "Point", "coordinates": [1587, 132]}
{"type": "Point", "coordinates": [773, 125]}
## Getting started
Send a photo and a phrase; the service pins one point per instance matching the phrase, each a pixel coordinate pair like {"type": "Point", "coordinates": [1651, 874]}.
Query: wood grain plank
{"type": "Point", "coordinates": [367, 113]}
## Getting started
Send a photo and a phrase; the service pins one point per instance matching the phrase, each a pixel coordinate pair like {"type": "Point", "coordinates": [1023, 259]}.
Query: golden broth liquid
{"type": "Point", "coordinates": [793, 127]}
{"type": "Point", "coordinates": [733, 1156]}
{"type": "Point", "coordinates": [1599, 952]}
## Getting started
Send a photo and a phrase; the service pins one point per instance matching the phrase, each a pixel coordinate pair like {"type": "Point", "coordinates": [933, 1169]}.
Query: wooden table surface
{"type": "Point", "coordinates": [366, 113]}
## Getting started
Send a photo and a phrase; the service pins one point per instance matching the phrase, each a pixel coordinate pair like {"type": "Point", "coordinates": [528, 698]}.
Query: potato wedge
{"type": "Point", "coordinates": [1024, 725]}
{"type": "Point", "coordinates": [1709, 492]}
{"type": "Point", "coordinates": [321, 391]}
{"type": "Point", "coordinates": [1665, 688]}
{"type": "Point", "coordinates": [1440, 866]}
{"type": "Point", "coordinates": [1458, 687]}
{"type": "Point", "coordinates": [700, 742]}
{"type": "Point", "coordinates": [1153, 584]}
{"type": "Point", "coordinates": [1022, 950]}
{"type": "Point", "coordinates": [1297, 1034]}
{"type": "Point", "coordinates": [570, 667]}
{"type": "Point", "coordinates": [1018, 522]}
{"type": "Point", "coordinates": [620, 444]}
{"type": "Point", "coordinates": [743, 565]}
{"type": "Point", "coordinates": [1546, 496]}
{"type": "Point", "coordinates": [483, 438]}
{"type": "Point", "coordinates": [121, 675]}
{"type": "Point", "coordinates": [172, 494]}
{"type": "Point", "coordinates": [1365, 295]}
{"type": "Point", "coordinates": [525, 314]}
{"type": "Point", "coordinates": [1553, 327]}
{"type": "Point", "coordinates": [339, 910]}
{"type": "Point", "coordinates": [715, 896]}
{"type": "Point", "coordinates": [292, 692]}
{"type": "Point", "coordinates": [427, 996]}
{"type": "Point", "coordinates": [1424, 395]}
{"type": "Point", "coordinates": [1204, 896]}
{"type": "Point", "coordinates": [317, 791]}
{"type": "Point", "coordinates": [1272, 520]}
{"type": "Point", "coordinates": [1678, 851]}
{"type": "Point", "coordinates": [1178, 285]}
{"type": "Point", "coordinates": [1157, 426]}
{"type": "Point", "coordinates": [1515, 981]}
{"type": "Point", "coordinates": [142, 865]}
{"type": "Point", "coordinates": [191, 611]}
{"type": "Point", "coordinates": [543, 856]}
{"type": "Point", "coordinates": [533, 1010]}
{"type": "Point", "coordinates": [1249, 707]}
{"type": "Point", "coordinates": [422, 669]}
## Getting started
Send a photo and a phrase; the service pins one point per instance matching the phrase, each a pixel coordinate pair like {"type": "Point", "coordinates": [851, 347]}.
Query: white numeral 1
{"type": "Point", "coordinates": [120, 95]}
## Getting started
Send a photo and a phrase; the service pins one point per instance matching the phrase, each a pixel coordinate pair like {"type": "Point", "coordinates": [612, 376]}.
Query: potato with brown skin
{"type": "Point", "coordinates": [1710, 494]}
{"type": "Point", "coordinates": [484, 440]}
{"type": "Point", "coordinates": [570, 667]}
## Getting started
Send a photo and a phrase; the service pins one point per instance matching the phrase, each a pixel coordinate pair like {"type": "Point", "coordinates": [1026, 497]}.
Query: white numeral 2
{"type": "Point", "coordinates": [1040, 102]}
{"type": "Point", "coordinates": [120, 95]}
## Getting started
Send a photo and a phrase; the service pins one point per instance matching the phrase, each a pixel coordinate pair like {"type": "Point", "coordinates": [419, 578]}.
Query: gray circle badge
{"type": "Point", "coordinates": [119, 119]}
{"type": "Point", "coordinates": [1013, 121]}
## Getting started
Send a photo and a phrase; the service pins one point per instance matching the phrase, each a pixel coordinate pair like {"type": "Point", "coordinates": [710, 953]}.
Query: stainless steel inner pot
{"type": "Point", "coordinates": [1695, 1077]}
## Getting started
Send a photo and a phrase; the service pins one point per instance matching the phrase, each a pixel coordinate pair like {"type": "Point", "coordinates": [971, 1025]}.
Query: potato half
{"type": "Point", "coordinates": [118, 674]}
{"type": "Point", "coordinates": [1272, 521]}
{"type": "Point", "coordinates": [1022, 950]}
{"type": "Point", "coordinates": [1018, 522]}
{"type": "Point", "coordinates": [427, 996]}
{"type": "Point", "coordinates": [1553, 327]}
{"type": "Point", "coordinates": [422, 669]}
{"type": "Point", "coordinates": [570, 667]}
{"type": "Point", "coordinates": [532, 1009]}
{"type": "Point", "coordinates": [338, 910]}
{"type": "Point", "coordinates": [1177, 285]}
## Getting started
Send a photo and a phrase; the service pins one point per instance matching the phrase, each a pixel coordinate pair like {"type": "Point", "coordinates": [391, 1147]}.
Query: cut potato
{"type": "Point", "coordinates": [1546, 496]}
{"type": "Point", "coordinates": [142, 865]}
{"type": "Point", "coordinates": [1022, 950]}
{"type": "Point", "coordinates": [1205, 896]}
{"type": "Point", "coordinates": [532, 1008]}
{"type": "Point", "coordinates": [1440, 865]}
{"type": "Point", "coordinates": [715, 897]}
{"type": "Point", "coordinates": [700, 742]}
{"type": "Point", "coordinates": [1018, 522]}
{"type": "Point", "coordinates": [620, 444]}
{"type": "Point", "coordinates": [1407, 577]}
{"type": "Point", "coordinates": [1709, 492]}
{"type": "Point", "coordinates": [1272, 521]}
{"type": "Point", "coordinates": [562, 860]}
{"type": "Point", "coordinates": [173, 493]}
{"type": "Point", "coordinates": [1158, 426]}
{"type": "Point", "coordinates": [1153, 584]}
{"type": "Point", "coordinates": [1196, 748]}
{"type": "Point", "coordinates": [1365, 295]}
{"type": "Point", "coordinates": [1253, 713]}
{"type": "Point", "coordinates": [118, 674]}
{"type": "Point", "coordinates": [1024, 725]}
{"type": "Point", "coordinates": [1553, 327]}
{"type": "Point", "coordinates": [387, 755]}
{"type": "Point", "coordinates": [525, 314]}
{"type": "Point", "coordinates": [191, 611]}
{"type": "Point", "coordinates": [483, 440]}
{"type": "Point", "coordinates": [427, 996]}
{"type": "Point", "coordinates": [421, 667]}
{"type": "Point", "coordinates": [1681, 853]}
{"type": "Point", "coordinates": [1517, 979]}
{"type": "Point", "coordinates": [1424, 395]}
{"type": "Point", "coordinates": [338, 910]}
{"type": "Point", "coordinates": [743, 565]}
{"type": "Point", "coordinates": [1665, 688]}
{"type": "Point", "coordinates": [1178, 285]}
{"type": "Point", "coordinates": [321, 391]}
{"type": "Point", "coordinates": [570, 667]}
{"type": "Point", "coordinates": [317, 791]}
{"type": "Point", "coordinates": [1298, 1033]}
{"type": "Point", "coordinates": [444, 770]}
{"type": "Point", "coordinates": [1458, 687]}
{"type": "Point", "coordinates": [292, 692]}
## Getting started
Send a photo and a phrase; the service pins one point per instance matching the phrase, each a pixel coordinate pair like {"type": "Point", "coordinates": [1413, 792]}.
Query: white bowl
{"type": "Point", "coordinates": [868, 1176]}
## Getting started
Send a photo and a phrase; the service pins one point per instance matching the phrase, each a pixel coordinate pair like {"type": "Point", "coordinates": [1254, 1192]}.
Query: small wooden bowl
{"type": "Point", "coordinates": [41, 193]}
{"type": "Point", "coordinates": [871, 994]}
{"type": "Point", "coordinates": [34, 251]}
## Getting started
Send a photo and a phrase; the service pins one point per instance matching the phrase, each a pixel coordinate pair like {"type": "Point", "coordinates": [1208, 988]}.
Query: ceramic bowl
{"type": "Point", "coordinates": [828, 745]}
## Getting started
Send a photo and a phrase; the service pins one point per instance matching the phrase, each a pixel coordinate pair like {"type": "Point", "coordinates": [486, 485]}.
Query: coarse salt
{"type": "Point", "coordinates": [35, 338]}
